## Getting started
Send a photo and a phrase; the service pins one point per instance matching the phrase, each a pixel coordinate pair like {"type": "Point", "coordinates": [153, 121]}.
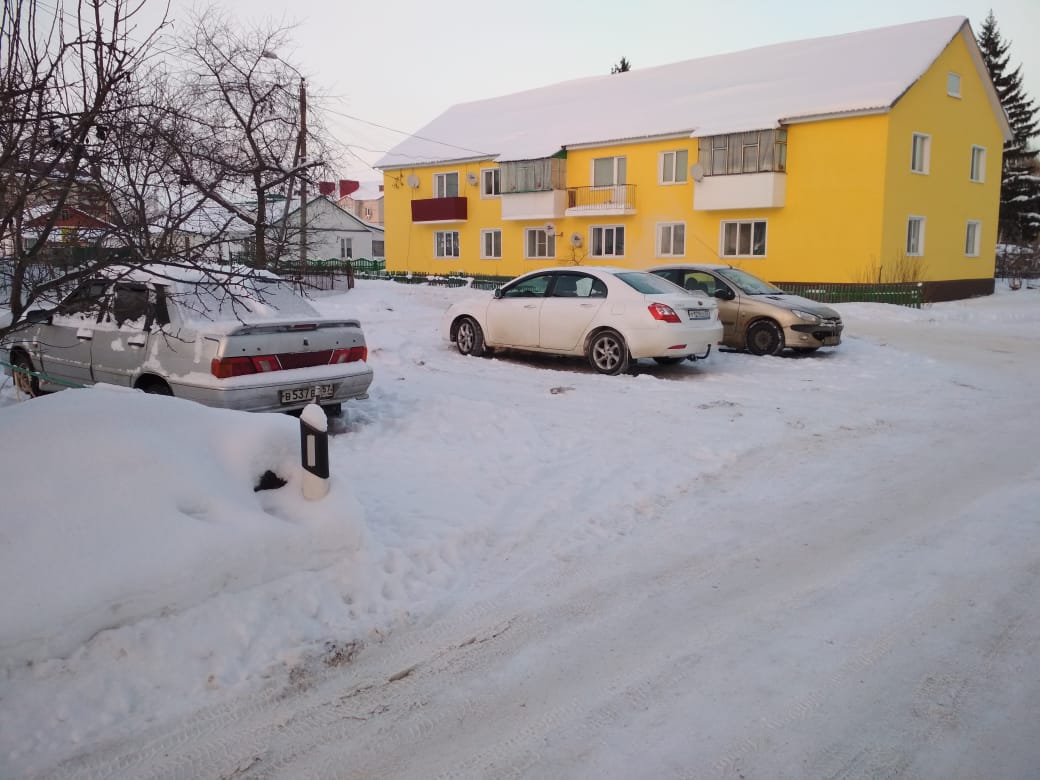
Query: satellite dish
{"type": "Point", "coordinates": [471, 178]}
{"type": "Point", "coordinates": [576, 240]}
{"type": "Point", "coordinates": [550, 228]}
{"type": "Point", "coordinates": [696, 171]}
{"type": "Point", "coordinates": [413, 181]}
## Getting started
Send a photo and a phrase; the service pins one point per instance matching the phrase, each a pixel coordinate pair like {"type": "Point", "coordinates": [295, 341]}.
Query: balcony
{"type": "Point", "coordinates": [439, 210]}
{"type": "Point", "coordinates": [534, 205]}
{"type": "Point", "coordinates": [740, 191]}
{"type": "Point", "coordinates": [615, 200]}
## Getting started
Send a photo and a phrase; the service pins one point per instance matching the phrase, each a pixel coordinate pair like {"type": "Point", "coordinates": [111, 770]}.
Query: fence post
{"type": "Point", "coordinates": [314, 452]}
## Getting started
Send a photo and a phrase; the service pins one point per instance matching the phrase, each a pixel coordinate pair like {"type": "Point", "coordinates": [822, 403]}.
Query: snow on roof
{"type": "Point", "coordinates": [749, 90]}
{"type": "Point", "coordinates": [368, 190]}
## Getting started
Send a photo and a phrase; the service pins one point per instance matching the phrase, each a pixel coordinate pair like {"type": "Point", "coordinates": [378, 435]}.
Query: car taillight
{"type": "Point", "coordinates": [660, 311]}
{"type": "Point", "coordinates": [349, 355]}
{"type": "Point", "coordinates": [225, 368]}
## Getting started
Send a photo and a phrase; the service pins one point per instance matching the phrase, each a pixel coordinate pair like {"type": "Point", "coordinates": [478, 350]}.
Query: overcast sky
{"type": "Point", "coordinates": [400, 63]}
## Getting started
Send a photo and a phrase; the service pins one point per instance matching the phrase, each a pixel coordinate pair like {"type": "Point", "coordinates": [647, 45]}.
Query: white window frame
{"type": "Point", "coordinates": [750, 224]}
{"type": "Point", "coordinates": [493, 177]}
{"type": "Point", "coordinates": [972, 238]}
{"type": "Point", "coordinates": [440, 184]}
{"type": "Point", "coordinates": [977, 170]}
{"type": "Point", "coordinates": [669, 171]}
{"type": "Point", "coordinates": [667, 229]}
{"type": "Point", "coordinates": [439, 239]}
{"type": "Point", "coordinates": [925, 154]}
{"type": "Point", "coordinates": [918, 250]}
{"type": "Point", "coordinates": [544, 241]}
{"type": "Point", "coordinates": [602, 231]}
{"type": "Point", "coordinates": [953, 84]}
{"type": "Point", "coordinates": [619, 171]}
{"type": "Point", "coordinates": [484, 237]}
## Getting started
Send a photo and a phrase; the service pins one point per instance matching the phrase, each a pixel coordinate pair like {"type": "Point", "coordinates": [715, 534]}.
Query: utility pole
{"type": "Point", "coordinates": [303, 178]}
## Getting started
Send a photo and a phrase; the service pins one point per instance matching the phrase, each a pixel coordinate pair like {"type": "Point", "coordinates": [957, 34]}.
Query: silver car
{"type": "Point", "coordinates": [244, 341]}
{"type": "Point", "coordinates": [756, 315]}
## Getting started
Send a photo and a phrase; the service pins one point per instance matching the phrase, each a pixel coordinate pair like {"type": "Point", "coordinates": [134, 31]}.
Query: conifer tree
{"type": "Point", "coordinates": [1019, 185]}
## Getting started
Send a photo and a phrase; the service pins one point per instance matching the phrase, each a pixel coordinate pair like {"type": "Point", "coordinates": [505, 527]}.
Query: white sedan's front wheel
{"type": "Point", "coordinates": [608, 352]}
{"type": "Point", "coordinates": [469, 338]}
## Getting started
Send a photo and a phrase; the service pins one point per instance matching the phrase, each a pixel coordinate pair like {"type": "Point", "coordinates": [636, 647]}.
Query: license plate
{"type": "Point", "coordinates": [831, 341]}
{"type": "Point", "coordinates": [306, 393]}
{"type": "Point", "coordinates": [699, 314]}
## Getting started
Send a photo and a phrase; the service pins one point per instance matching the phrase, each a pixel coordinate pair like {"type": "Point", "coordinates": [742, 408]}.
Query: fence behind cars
{"type": "Point", "coordinates": [901, 294]}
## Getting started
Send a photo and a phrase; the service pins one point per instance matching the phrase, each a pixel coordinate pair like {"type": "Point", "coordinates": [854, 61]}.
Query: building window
{"type": "Point", "coordinates": [490, 244]}
{"type": "Point", "coordinates": [915, 236]}
{"type": "Point", "coordinates": [920, 152]}
{"type": "Point", "coordinates": [978, 163]}
{"type": "Point", "coordinates": [346, 247]}
{"type": "Point", "coordinates": [490, 183]}
{"type": "Point", "coordinates": [673, 166]}
{"type": "Point", "coordinates": [972, 238]}
{"type": "Point", "coordinates": [608, 171]}
{"type": "Point", "coordinates": [446, 185]}
{"type": "Point", "coordinates": [378, 248]}
{"type": "Point", "coordinates": [608, 241]}
{"type": "Point", "coordinates": [758, 151]}
{"type": "Point", "coordinates": [953, 84]}
{"type": "Point", "coordinates": [539, 243]}
{"type": "Point", "coordinates": [671, 240]}
{"type": "Point", "coordinates": [744, 238]}
{"type": "Point", "coordinates": [544, 175]}
{"type": "Point", "coordinates": [446, 243]}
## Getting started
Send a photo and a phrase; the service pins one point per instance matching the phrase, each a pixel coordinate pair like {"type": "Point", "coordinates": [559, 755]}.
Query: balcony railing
{"type": "Point", "coordinates": [439, 210]}
{"type": "Point", "coordinates": [616, 198]}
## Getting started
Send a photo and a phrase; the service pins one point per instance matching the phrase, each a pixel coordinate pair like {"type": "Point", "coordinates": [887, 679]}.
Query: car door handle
{"type": "Point", "coordinates": [84, 334]}
{"type": "Point", "coordinates": [587, 305]}
{"type": "Point", "coordinates": [530, 306]}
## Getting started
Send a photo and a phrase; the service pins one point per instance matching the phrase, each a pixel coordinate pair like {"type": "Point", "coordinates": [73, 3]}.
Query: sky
{"type": "Point", "coordinates": [398, 65]}
{"type": "Point", "coordinates": [721, 569]}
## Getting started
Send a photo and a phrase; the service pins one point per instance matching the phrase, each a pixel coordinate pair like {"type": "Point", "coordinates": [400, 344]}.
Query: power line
{"type": "Point", "coordinates": [406, 133]}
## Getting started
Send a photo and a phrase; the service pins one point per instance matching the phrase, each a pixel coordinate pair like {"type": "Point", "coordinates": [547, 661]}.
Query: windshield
{"type": "Point", "coordinates": [649, 284]}
{"type": "Point", "coordinates": [749, 284]}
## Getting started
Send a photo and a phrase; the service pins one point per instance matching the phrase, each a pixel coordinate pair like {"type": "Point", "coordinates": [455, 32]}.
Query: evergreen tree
{"type": "Point", "coordinates": [1019, 184]}
{"type": "Point", "coordinates": [622, 67]}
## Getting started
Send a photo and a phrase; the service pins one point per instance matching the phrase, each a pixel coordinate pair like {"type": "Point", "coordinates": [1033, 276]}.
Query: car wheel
{"type": "Point", "coordinates": [469, 338]}
{"type": "Point", "coordinates": [26, 383]}
{"type": "Point", "coordinates": [608, 353]}
{"type": "Point", "coordinates": [765, 338]}
{"type": "Point", "coordinates": [668, 361]}
{"type": "Point", "coordinates": [155, 387]}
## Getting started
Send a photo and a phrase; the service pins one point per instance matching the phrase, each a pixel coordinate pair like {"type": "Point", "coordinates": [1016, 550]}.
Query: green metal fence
{"type": "Point", "coordinates": [900, 294]}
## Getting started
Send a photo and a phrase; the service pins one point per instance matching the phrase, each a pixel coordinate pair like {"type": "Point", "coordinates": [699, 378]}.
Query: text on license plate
{"type": "Point", "coordinates": [306, 393]}
{"type": "Point", "coordinates": [699, 314]}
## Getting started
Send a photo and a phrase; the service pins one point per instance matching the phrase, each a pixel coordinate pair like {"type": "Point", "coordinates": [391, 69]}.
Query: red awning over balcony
{"type": "Point", "coordinates": [439, 210]}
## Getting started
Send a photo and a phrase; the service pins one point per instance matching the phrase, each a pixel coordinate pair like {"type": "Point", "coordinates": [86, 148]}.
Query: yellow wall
{"type": "Point", "coordinates": [849, 191]}
{"type": "Point", "coordinates": [945, 196]}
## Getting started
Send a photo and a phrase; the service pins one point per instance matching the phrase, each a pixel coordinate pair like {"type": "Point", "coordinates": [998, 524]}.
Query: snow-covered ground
{"type": "Point", "coordinates": [822, 566]}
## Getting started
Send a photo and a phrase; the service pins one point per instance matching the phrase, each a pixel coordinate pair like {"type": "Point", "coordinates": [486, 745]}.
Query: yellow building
{"type": "Point", "coordinates": [873, 156]}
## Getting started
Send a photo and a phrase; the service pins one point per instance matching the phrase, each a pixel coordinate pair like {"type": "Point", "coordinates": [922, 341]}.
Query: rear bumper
{"type": "Point", "coordinates": [659, 341]}
{"type": "Point", "coordinates": [265, 396]}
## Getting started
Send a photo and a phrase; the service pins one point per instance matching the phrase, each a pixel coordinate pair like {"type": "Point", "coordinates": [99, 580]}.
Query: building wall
{"type": "Point", "coordinates": [945, 196]}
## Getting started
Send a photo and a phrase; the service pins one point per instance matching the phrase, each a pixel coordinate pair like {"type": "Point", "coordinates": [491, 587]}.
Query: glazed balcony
{"type": "Point", "coordinates": [439, 210]}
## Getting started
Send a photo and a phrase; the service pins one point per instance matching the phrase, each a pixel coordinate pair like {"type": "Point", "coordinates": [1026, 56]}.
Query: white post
{"type": "Point", "coordinates": [314, 452]}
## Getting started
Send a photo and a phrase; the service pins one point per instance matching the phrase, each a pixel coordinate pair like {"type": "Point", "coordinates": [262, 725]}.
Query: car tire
{"type": "Point", "coordinates": [155, 387]}
{"type": "Point", "coordinates": [469, 338]}
{"type": "Point", "coordinates": [765, 338]}
{"type": "Point", "coordinates": [26, 383]}
{"type": "Point", "coordinates": [668, 361]}
{"type": "Point", "coordinates": [608, 353]}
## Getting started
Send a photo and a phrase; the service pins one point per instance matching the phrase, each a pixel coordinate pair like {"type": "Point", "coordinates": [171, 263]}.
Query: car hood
{"type": "Point", "coordinates": [789, 301]}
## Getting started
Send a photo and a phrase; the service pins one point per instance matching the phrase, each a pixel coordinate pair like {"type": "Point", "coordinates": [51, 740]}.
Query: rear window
{"type": "Point", "coordinates": [247, 300]}
{"type": "Point", "coordinates": [648, 284]}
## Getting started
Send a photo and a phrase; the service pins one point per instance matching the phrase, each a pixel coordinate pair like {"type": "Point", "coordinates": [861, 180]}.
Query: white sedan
{"type": "Point", "coordinates": [611, 316]}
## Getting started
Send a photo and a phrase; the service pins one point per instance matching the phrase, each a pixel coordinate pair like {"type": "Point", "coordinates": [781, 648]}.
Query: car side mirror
{"type": "Point", "coordinates": [725, 294]}
{"type": "Point", "coordinates": [498, 292]}
{"type": "Point", "coordinates": [38, 317]}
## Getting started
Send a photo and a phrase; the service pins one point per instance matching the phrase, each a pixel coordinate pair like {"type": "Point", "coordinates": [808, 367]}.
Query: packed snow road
{"type": "Point", "coordinates": [819, 567]}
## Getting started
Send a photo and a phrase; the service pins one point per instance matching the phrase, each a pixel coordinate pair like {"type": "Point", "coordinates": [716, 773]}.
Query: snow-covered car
{"type": "Point", "coordinates": [239, 340]}
{"type": "Point", "coordinates": [611, 316]}
{"type": "Point", "coordinates": [756, 315]}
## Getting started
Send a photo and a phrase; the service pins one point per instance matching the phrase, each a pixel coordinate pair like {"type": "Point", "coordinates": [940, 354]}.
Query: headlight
{"type": "Point", "coordinates": [804, 315]}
